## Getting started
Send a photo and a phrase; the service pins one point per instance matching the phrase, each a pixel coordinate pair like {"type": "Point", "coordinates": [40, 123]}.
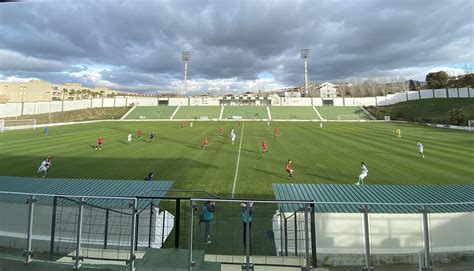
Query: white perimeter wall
{"type": "Point", "coordinates": [13, 229]}
{"type": "Point", "coordinates": [31, 108]}
{"type": "Point", "coordinates": [389, 233]}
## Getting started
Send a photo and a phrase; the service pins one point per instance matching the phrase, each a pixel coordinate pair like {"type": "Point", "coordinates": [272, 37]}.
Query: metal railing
{"type": "Point", "coordinates": [244, 231]}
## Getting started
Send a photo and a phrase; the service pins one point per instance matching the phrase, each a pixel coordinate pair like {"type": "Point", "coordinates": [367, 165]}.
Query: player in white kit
{"type": "Point", "coordinates": [44, 167]}
{"type": "Point", "coordinates": [420, 148]}
{"type": "Point", "coordinates": [233, 136]}
{"type": "Point", "coordinates": [363, 173]}
{"type": "Point", "coordinates": [129, 138]}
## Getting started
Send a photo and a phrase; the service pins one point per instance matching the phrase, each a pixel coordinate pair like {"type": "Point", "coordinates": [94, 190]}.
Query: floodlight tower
{"type": "Point", "coordinates": [305, 57]}
{"type": "Point", "coordinates": [186, 56]}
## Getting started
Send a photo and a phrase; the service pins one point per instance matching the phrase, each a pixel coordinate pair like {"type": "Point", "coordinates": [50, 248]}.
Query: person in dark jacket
{"type": "Point", "coordinates": [206, 217]}
{"type": "Point", "coordinates": [247, 216]}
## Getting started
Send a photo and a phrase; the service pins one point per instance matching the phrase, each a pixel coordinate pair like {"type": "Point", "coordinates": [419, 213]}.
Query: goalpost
{"type": "Point", "coordinates": [471, 124]}
{"type": "Point", "coordinates": [348, 117]}
{"type": "Point", "coordinates": [20, 124]}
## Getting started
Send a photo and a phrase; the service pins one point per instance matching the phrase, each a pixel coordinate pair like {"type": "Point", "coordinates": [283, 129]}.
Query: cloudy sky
{"type": "Point", "coordinates": [235, 45]}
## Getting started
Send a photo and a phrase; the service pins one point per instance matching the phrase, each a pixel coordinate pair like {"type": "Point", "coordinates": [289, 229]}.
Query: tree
{"type": "Point", "coordinates": [456, 117]}
{"type": "Point", "coordinates": [437, 79]}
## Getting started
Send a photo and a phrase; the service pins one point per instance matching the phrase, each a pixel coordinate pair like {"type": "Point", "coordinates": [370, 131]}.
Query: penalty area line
{"type": "Point", "coordinates": [238, 160]}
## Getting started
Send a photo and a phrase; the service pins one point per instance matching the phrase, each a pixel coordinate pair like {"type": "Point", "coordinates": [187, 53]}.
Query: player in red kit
{"type": "Point", "coordinates": [100, 140]}
{"type": "Point", "coordinates": [264, 147]}
{"type": "Point", "coordinates": [139, 134]}
{"type": "Point", "coordinates": [204, 143]}
{"type": "Point", "coordinates": [289, 170]}
{"type": "Point", "coordinates": [221, 132]}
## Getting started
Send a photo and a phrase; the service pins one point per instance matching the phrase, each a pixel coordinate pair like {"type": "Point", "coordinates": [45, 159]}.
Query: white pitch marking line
{"type": "Point", "coordinates": [238, 160]}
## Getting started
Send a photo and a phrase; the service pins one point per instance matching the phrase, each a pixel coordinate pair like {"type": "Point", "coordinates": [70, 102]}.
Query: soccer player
{"type": "Point", "coordinates": [276, 132]}
{"type": "Point", "coordinates": [139, 134]}
{"type": "Point", "coordinates": [100, 140]}
{"type": "Point", "coordinates": [149, 177]}
{"type": "Point", "coordinates": [129, 138]}
{"type": "Point", "coordinates": [420, 148]}
{"type": "Point", "coordinates": [204, 143]}
{"type": "Point", "coordinates": [152, 137]}
{"type": "Point", "coordinates": [191, 124]}
{"type": "Point", "coordinates": [363, 173]}
{"type": "Point", "coordinates": [221, 132]}
{"type": "Point", "coordinates": [233, 136]}
{"type": "Point", "coordinates": [45, 130]}
{"type": "Point", "coordinates": [289, 170]}
{"type": "Point", "coordinates": [44, 167]}
{"type": "Point", "coordinates": [232, 132]}
{"type": "Point", "coordinates": [264, 147]}
{"type": "Point", "coordinates": [321, 124]}
{"type": "Point", "coordinates": [399, 133]}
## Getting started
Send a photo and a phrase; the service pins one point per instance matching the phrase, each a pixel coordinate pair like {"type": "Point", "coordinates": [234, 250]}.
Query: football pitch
{"type": "Point", "coordinates": [331, 154]}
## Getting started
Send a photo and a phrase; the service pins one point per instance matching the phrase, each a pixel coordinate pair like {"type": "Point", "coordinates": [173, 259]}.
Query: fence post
{"type": "Point", "coordinates": [281, 234]}
{"type": "Point", "coordinates": [134, 221]}
{"type": "Point", "coordinates": [368, 265]}
{"type": "Point", "coordinates": [313, 237]}
{"type": "Point", "coordinates": [306, 238]}
{"type": "Point", "coordinates": [286, 235]}
{"type": "Point", "coordinates": [426, 239]}
{"type": "Point", "coordinates": [137, 221]}
{"type": "Point", "coordinates": [106, 229]}
{"type": "Point", "coordinates": [53, 228]}
{"type": "Point", "coordinates": [152, 208]}
{"type": "Point", "coordinates": [177, 220]}
{"type": "Point", "coordinates": [31, 209]}
{"type": "Point", "coordinates": [247, 238]}
{"type": "Point", "coordinates": [419, 95]}
{"type": "Point", "coordinates": [447, 93]}
{"type": "Point", "coordinates": [296, 233]}
{"type": "Point", "coordinates": [163, 230]}
{"type": "Point", "coordinates": [78, 257]}
{"type": "Point", "coordinates": [190, 241]}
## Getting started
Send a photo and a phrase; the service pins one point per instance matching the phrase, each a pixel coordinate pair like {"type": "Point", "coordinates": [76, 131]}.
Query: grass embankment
{"type": "Point", "coordinates": [77, 115]}
{"type": "Point", "coordinates": [428, 111]}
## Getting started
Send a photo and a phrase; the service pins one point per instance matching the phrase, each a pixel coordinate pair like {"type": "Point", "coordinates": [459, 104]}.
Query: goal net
{"type": "Point", "coordinates": [18, 124]}
{"type": "Point", "coordinates": [348, 117]}
{"type": "Point", "coordinates": [471, 125]}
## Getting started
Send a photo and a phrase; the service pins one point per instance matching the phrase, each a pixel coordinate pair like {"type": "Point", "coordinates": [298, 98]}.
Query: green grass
{"type": "Point", "coordinates": [428, 110]}
{"type": "Point", "coordinates": [328, 155]}
{"type": "Point", "coordinates": [190, 112]}
{"type": "Point", "coordinates": [246, 112]}
{"type": "Point", "coordinates": [293, 112]}
{"type": "Point", "coordinates": [152, 112]}
{"type": "Point", "coordinates": [331, 112]}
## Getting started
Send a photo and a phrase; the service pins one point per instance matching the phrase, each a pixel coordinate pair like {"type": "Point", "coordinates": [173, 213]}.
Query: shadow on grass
{"type": "Point", "coordinates": [394, 154]}
{"type": "Point", "coordinates": [95, 166]}
{"type": "Point", "coordinates": [280, 176]}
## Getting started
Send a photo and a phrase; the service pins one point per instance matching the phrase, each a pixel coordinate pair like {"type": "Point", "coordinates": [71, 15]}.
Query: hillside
{"type": "Point", "coordinates": [77, 115]}
{"type": "Point", "coordinates": [429, 111]}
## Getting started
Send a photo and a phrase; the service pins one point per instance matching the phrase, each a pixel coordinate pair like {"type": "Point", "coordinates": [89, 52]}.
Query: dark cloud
{"type": "Point", "coordinates": [139, 43]}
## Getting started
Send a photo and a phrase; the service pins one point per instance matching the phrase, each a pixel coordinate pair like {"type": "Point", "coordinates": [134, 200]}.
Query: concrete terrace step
{"type": "Point", "coordinates": [174, 259]}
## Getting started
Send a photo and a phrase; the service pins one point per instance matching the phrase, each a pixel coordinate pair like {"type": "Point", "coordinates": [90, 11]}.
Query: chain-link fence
{"type": "Point", "coordinates": [247, 232]}
{"type": "Point", "coordinates": [298, 234]}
